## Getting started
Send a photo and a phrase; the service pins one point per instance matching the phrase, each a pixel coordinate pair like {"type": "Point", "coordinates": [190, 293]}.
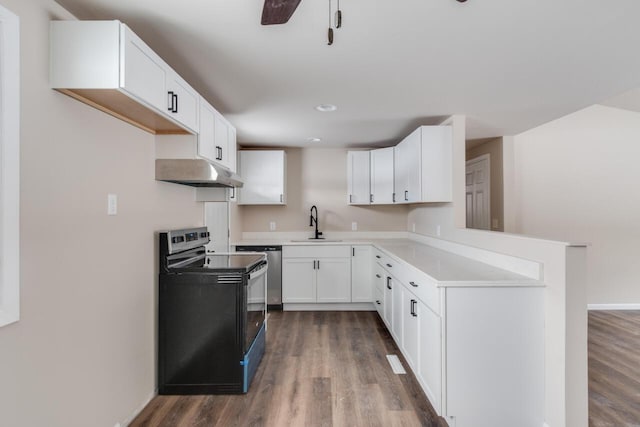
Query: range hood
{"type": "Point", "coordinates": [196, 173]}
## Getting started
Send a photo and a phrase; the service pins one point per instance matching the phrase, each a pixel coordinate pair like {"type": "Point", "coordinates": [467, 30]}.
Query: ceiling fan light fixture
{"type": "Point", "coordinates": [326, 108]}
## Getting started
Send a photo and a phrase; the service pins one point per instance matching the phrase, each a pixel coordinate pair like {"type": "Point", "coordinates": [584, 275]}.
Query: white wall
{"type": "Point", "coordinates": [574, 180]}
{"type": "Point", "coordinates": [83, 352]}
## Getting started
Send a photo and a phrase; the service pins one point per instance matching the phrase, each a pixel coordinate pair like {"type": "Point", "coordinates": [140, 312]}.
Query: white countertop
{"type": "Point", "coordinates": [446, 268]}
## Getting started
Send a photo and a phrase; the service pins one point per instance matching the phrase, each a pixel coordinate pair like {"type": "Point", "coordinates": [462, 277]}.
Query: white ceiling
{"type": "Point", "coordinates": [508, 65]}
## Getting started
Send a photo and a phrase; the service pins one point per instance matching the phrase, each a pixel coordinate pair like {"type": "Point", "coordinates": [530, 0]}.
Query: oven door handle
{"type": "Point", "coordinates": [257, 273]}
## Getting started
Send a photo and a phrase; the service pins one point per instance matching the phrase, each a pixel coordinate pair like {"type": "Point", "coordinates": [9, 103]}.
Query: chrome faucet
{"type": "Point", "coordinates": [314, 220]}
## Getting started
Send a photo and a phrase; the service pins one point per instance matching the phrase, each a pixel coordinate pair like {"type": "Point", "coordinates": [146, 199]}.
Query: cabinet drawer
{"type": "Point", "coordinates": [385, 261]}
{"type": "Point", "coordinates": [378, 301]}
{"type": "Point", "coordinates": [421, 286]}
{"type": "Point", "coordinates": [316, 251]}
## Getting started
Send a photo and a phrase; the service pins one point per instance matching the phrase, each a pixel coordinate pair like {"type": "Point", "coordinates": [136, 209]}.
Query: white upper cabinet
{"type": "Point", "coordinates": [264, 174]}
{"type": "Point", "coordinates": [207, 135]}
{"type": "Point", "coordinates": [417, 170]}
{"type": "Point", "coordinates": [358, 177]}
{"type": "Point", "coordinates": [436, 167]}
{"type": "Point", "coordinates": [142, 73]}
{"type": "Point", "coordinates": [217, 138]}
{"type": "Point", "coordinates": [422, 167]}
{"type": "Point", "coordinates": [106, 65]}
{"type": "Point", "coordinates": [382, 176]}
{"type": "Point", "coordinates": [182, 101]}
{"type": "Point", "coordinates": [407, 169]}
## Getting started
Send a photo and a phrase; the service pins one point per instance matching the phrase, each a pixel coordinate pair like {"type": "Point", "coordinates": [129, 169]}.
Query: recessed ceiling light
{"type": "Point", "coordinates": [312, 139]}
{"type": "Point", "coordinates": [326, 108]}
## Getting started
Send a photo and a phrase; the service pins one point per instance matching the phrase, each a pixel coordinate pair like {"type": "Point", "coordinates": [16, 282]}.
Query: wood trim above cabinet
{"type": "Point", "coordinates": [127, 109]}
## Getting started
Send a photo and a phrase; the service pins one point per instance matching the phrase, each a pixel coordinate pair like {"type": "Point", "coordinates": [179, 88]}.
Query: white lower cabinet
{"type": "Point", "coordinates": [477, 351]}
{"type": "Point", "coordinates": [378, 288]}
{"type": "Point", "coordinates": [361, 286]}
{"type": "Point", "coordinates": [410, 328]}
{"type": "Point", "coordinates": [388, 302]}
{"type": "Point", "coordinates": [333, 280]}
{"type": "Point", "coordinates": [429, 369]}
{"type": "Point", "coordinates": [320, 274]}
{"type": "Point", "coordinates": [396, 316]}
{"type": "Point", "coordinates": [298, 280]}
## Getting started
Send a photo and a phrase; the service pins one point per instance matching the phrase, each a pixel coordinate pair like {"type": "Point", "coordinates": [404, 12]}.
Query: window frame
{"type": "Point", "coordinates": [9, 167]}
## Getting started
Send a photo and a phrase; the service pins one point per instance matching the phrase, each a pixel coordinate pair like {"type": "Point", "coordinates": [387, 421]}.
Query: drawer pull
{"type": "Point", "coordinates": [388, 282]}
{"type": "Point", "coordinates": [413, 284]}
{"type": "Point", "coordinates": [378, 256]}
{"type": "Point", "coordinates": [389, 265]}
{"type": "Point", "coordinates": [378, 301]}
{"type": "Point", "coordinates": [378, 276]}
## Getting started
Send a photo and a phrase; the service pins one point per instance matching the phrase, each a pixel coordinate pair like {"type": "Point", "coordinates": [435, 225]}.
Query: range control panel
{"type": "Point", "coordinates": [188, 238]}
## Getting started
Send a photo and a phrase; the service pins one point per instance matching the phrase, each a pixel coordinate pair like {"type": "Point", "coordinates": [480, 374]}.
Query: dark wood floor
{"type": "Point", "coordinates": [614, 368]}
{"type": "Point", "coordinates": [320, 369]}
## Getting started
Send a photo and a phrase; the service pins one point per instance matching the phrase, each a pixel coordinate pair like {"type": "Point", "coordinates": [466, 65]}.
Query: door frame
{"type": "Point", "coordinates": [480, 158]}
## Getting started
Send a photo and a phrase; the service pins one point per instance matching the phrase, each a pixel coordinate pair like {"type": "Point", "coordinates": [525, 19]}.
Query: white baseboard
{"type": "Point", "coordinates": [139, 410]}
{"type": "Point", "coordinates": [613, 306]}
{"type": "Point", "coordinates": [355, 306]}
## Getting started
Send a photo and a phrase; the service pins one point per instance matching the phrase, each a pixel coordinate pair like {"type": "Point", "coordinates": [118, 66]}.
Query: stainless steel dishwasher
{"type": "Point", "coordinates": [274, 273]}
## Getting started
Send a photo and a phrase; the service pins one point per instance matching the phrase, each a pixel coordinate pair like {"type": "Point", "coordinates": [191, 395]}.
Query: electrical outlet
{"type": "Point", "coordinates": [354, 226]}
{"type": "Point", "coordinates": [272, 226]}
{"type": "Point", "coordinates": [112, 204]}
{"type": "Point", "coordinates": [438, 230]}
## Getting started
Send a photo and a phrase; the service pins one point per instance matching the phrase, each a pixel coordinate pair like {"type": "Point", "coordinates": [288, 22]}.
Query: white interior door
{"type": "Point", "coordinates": [216, 219]}
{"type": "Point", "coordinates": [478, 193]}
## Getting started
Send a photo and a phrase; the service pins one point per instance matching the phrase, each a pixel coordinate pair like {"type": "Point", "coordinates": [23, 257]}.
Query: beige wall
{"type": "Point", "coordinates": [317, 176]}
{"type": "Point", "coordinates": [493, 148]}
{"type": "Point", "coordinates": [83, 352]}
{"type": "Point", "coordinates": [574, 181]}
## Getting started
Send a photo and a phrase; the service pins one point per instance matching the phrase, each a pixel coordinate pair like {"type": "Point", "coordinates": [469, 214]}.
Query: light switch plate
{"type": "Point", "coordinates": [354, 226]}
{"type": "Point", "coordinates": [272, 226]}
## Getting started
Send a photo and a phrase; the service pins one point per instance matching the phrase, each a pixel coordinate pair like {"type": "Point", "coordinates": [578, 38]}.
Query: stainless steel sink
{"type": "Point", "coordinates": [312, 240]}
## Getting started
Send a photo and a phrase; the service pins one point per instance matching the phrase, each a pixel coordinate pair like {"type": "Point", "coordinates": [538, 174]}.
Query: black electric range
{"type": "Point", "coordinates": [211, 316]}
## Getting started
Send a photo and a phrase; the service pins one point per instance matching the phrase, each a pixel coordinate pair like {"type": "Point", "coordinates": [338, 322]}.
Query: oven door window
{"type": "Point", "coordinates": [256, 304]}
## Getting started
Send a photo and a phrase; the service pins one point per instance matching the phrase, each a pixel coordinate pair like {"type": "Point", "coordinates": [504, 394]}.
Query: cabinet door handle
{"type": "Point", "coordinates": [170, 100]}
{"type": "Point", "coordinates": [281, 198]}
{"type": "Point", "coordinates": [413, 284]}
{"type": "Point", "coordinates": [389, 265]}
{"type": "Point", "coordinates": [175, 104]}
{"type": "Point", "coordinates": [413, 308]}
{"type": "Point", "coordinates": [388, 282]}
{"type": "Point", "coordinates": [378, 301]}
{"type": "Point", "coordinates": [393, 197]}
{"type": "Point", "coordinates": [353, 251]}
{"type": "Point", "coordinates": [350, 198]}
{"type": "Point", "coordinates": [378, 256]}
{"type": "Point", "coordinates": [318, 264]}
{"type": "Point", "coordinates": [370, 198]}
{"type": "Point", "coordinates": [233, 193]}
{"type": "Point", "coordinates": [406, 195]}
{"type": "Point", "coordinates": [314, 264]}
{"type": "Point", "coordinates": [378, 276]}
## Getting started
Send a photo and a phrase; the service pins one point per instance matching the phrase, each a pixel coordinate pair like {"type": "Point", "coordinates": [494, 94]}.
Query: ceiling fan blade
{"type": "Point", "coordinates": [278, 11]}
